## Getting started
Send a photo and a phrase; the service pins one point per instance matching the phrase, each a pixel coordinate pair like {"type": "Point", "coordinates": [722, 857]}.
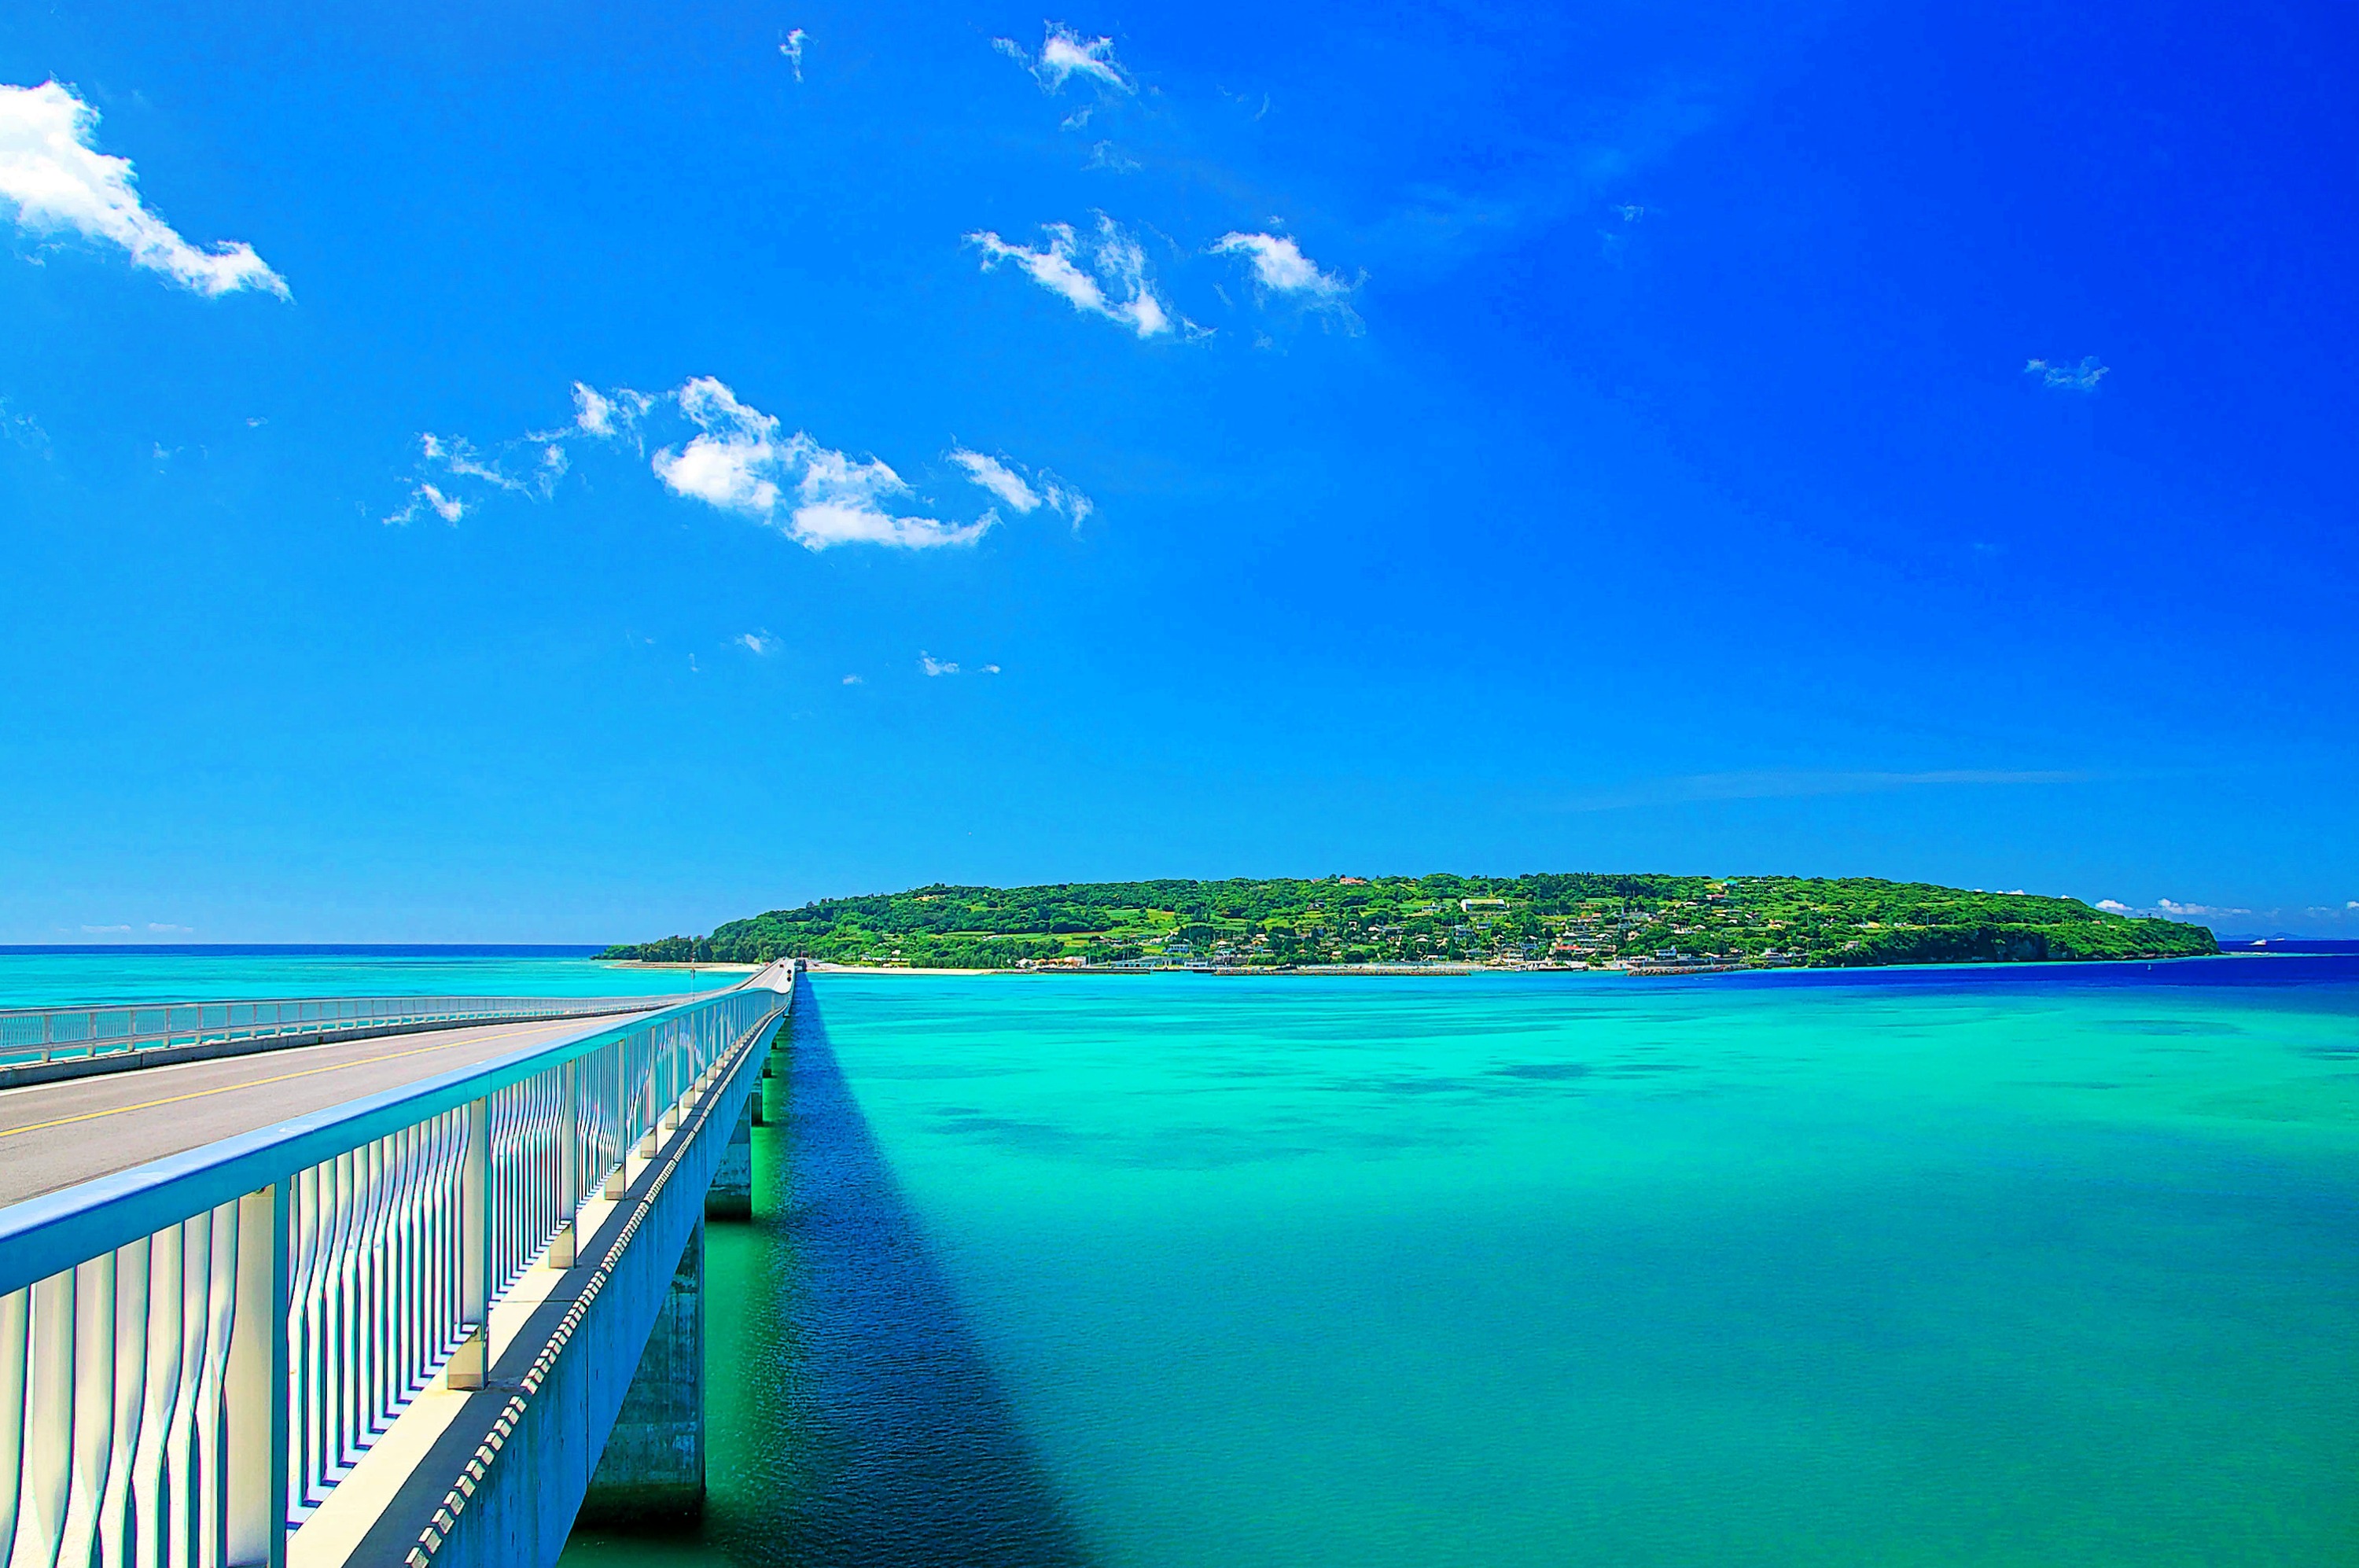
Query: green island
{"type": "Point", "coordinates": [1580, 919]}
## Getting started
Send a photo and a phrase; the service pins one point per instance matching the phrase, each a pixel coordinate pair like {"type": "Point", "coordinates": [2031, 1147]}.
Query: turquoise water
{"type": "Point", "coordinates": [54, 978]}
{"type": "Point", "coordinates": [2025, 1268]}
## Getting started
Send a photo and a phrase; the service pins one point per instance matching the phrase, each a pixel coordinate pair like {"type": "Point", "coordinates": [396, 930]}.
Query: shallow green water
{"type": "Point", "coordinates": [1181, 1271]}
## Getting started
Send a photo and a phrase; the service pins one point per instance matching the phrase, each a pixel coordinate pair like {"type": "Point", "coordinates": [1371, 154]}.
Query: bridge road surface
{"type": "Point", "coordinates": [55, 1135]}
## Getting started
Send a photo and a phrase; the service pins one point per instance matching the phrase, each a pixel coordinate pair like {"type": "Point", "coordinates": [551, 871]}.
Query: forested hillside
{"type": "Point", "coordinates": [1560, 918]}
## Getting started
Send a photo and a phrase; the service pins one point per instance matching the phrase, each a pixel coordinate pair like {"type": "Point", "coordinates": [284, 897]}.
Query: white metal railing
{"type": "Point", "coordinates": [45, 1034]}
{"type": "Point", "coordinates": [194, 1353]}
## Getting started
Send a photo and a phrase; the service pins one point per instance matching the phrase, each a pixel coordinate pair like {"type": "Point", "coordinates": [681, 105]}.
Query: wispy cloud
{"type": "Point", "coordinates": [2308, 919]}
{"type": "Point", "coordinates": [760, 644]}
{"type": "Point", "coordinates": [793, 50]}
{"type": "Point", "coordinates": [106, 930]}
{"type": "Point", "coordinates": [2179, 911]}
{"type": "Point", "coordinates": [427, 497]}
{"type": "Point", "coordinates": [731, 456]}
{"type": "Point", "coordinates": [2080, 378]}
{"type": "Point", "coordinates": [1065, 54]}
{"type": "Point", "coordinates": [1538, 181]}
{"type": "Point", "coordinates": [1771, 784]}
{"type": "Point", "coordinates": [163, 927]}
{"type": "Point", "coordinates": [1281, 270]}
{"type": "Point", "coordinates": [740, 463]}
{"type": "Point", "coordinates": [1114, 284]}
{"type": "Point", "coordinates": [1106, 155]}
{"type": "Point", "coordinates": [59, 182]}
{"type": "Point", "coordinates": [2173, 909]}
{"type": "Point", "coordinates": [530, 465]}
{"type": "Point", "coordinates": [1023, 490]}
{"type": "Point", "coordinates": [606, 414]}
{"type": "Point", "coordinates": [932, 666]}
{"type": "Point", "coordinates": [543, 466]}
{"type": "Point", "coordinates": [855, 681]}
{"type": "Point", "coordinates": [23, 430]}
{"type": "Point", "coordinates": [999, 479]}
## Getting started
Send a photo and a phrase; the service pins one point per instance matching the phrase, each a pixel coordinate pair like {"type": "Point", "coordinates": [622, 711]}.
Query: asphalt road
{"type": "Point", "coordinates": [54, 1135]}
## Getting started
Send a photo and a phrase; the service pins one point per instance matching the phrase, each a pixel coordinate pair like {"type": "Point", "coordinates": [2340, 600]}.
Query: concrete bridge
{"type": "Point", "coordinates": [386, 1284]}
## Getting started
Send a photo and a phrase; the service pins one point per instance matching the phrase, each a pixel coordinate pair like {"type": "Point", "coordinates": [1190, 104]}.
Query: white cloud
{"type": "Point", "coordinates": [428, 497]}
{"type": "Point", "coordinates": [793, 50]}
{"type": "Point", "coordinates": [2080, 378]}
{"type": "Point", "coordinates": [604, 414]}
{"type": "Point", "coordinates": [740, 463]}
{"type": "Point", "coordinates": [2113, 906]}
{"type": "Point", "coordinates": [761, 643]}
{"type": "Point", "coordinates": [164, 929]}
{"type": "Point", "coordinates": [2179, 911]}
{"type": "Point", "coordinates": [547, 466]}
{"type": "Point", "coordinates": [999, 479]}
{"type": "Point", "coordinates": [1115, 286]}
{"type": "Point", "coordinates": [1106, 155]}
{"type": "Point", "coordinates": [57, 180]}
{"type": "Point", "coordinates": [735, 458]}
{"type": "Point", "coordinates": [1065, 54]}
{"type": "Point", "coordinates": [1280, 268]}
{"type": "Point", "coordinates": [854, 680]}
{"type": "Point", "coordinates": [531, 466]}
{"type": "Point", "coordinates": [1023, 490]}
{"type": "Point", "coordinates": [932, 666]}
{"type": "Point", "coordinates": [107, 931]}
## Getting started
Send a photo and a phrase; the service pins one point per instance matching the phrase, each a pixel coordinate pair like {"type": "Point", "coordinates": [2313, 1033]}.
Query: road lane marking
{"type": "Point", "coordinates": [227, 1088]}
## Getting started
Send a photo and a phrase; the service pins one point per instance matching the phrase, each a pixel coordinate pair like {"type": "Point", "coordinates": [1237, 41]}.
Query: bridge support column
{"type": "Point", "coordinates": [731, 1196]}
{"type": "Point", "coordinates": [653, 1467]}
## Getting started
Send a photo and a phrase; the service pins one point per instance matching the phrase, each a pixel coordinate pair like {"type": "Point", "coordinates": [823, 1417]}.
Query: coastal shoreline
{"type": "Point", "coordinates": [1639, 972]}
{"type": "Point", "coordinates": [716, 965]}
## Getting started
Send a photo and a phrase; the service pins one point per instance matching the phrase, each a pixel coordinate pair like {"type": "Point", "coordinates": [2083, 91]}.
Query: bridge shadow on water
{"type": "Point", "coordinates": [854, 1418]}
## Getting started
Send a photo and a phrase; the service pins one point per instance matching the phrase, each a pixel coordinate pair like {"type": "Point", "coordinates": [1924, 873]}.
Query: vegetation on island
{"type": "Point", "coordinates": [1578, 917]}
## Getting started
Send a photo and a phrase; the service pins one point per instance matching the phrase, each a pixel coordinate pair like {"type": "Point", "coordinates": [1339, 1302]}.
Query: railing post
{"type": "Point", "coordinates": [569, 1162]}
{"type": "Point", "coordinates": [569, 1137]}
{"type": "Point", "coordinates": [256, 1386]}
{"type": "Point", "coordinates": [471, 1363]}
{"type": "Point", "coordinates": [655, 1070]}
{"type": "Point", "coordinates": [617, 1180]}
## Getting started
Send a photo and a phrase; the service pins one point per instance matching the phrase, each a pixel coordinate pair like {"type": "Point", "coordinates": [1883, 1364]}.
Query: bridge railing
{"type": "Point", "coordinates": [193, 1352]}
{"type": "Point", "coordinates": [46, 1034]}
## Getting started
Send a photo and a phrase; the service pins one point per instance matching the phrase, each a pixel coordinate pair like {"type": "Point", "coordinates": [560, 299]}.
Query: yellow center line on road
{"type": "Point", "coordinates": [228, 1088]}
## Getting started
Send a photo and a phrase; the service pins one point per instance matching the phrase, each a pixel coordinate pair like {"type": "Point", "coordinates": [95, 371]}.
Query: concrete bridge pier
{"type": "Point", "coordinates": [652, 1471]}
{"type": "Point", "coordinates": [773, 1066]}
{"type": "Point", "coordinates": [731, 1196]}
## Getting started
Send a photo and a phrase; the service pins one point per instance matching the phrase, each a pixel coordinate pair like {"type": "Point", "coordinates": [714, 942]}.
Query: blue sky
{"type": "Point", "coordinates": [580, 473]}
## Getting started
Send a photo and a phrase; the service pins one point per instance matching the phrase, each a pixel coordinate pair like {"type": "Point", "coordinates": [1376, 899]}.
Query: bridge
{"type": "Point", "coordinates": [412, 1281]}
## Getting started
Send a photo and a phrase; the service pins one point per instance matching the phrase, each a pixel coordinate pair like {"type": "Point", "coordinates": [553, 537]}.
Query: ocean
{"type": "Point", "coordinates": [2041, 1265]}
{"type": "Point", "coordinates": [60, 976]}
{"type": "Point", "coordinates": [2049, 1265]}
